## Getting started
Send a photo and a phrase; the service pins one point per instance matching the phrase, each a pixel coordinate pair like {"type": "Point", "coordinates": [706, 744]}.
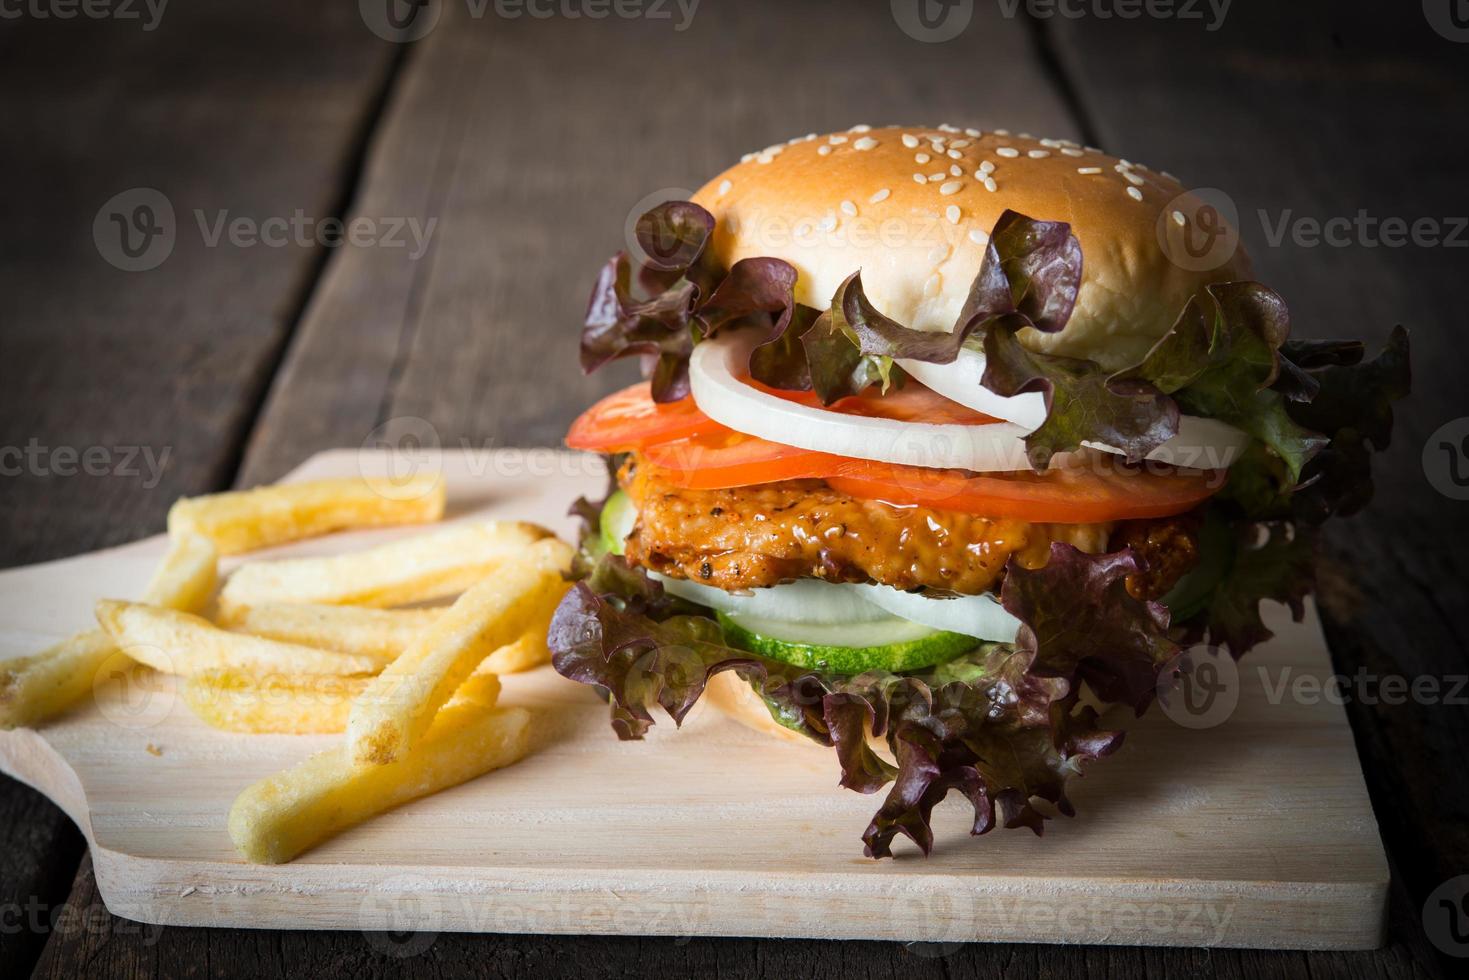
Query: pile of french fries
{"type": "Point", "coordinates": [324, 646]}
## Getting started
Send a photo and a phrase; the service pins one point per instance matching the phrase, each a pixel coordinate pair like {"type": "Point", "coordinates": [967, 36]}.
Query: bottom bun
{"type": "Point", "coordinates": [734, 696]}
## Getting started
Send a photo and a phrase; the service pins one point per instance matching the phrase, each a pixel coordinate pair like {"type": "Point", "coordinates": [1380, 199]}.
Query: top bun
{"type": "Point", "coordinates": [912, 207]}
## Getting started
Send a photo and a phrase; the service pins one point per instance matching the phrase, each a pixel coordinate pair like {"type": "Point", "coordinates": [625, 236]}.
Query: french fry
{"type": "Point", "coordinates": [378, 633]}
{"type": "Point", "coordinates": [400, 704]}
{"type": "Point", "coordinates": [245, 520]}
{"type": "Point", "coordinates": [287, 704]}
{"type": "Point", "coordinates": [41, 686]}
{"type": "Point", "coordinates": [429, 566]}
{"type": "Point", "coordinates": [527, 652]}
{"type": "Point", "coordinates": [283, 815]}
{"type": "Point", "coordinates": [180, 643]}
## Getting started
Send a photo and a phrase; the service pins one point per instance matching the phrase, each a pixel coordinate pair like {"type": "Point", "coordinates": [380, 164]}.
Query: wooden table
{"type": "Point", "coordinates": [530, 140]}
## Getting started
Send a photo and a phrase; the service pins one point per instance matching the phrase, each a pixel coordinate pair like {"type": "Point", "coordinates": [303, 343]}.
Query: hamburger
{"type": "Point", "coordinates": [951, 446]}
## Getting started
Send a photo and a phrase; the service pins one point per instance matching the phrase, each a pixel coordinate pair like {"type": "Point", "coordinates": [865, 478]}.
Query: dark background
{"type": "Point", "coordinates": [531, 140]}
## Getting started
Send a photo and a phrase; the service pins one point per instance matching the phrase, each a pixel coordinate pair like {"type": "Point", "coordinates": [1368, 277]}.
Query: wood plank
{"type": "Point", "coordinates": [1319, 110]}
{"type": "Point", "coordinates": [248, 106]}
{"type": "Point", "coordinates": [583, 836]}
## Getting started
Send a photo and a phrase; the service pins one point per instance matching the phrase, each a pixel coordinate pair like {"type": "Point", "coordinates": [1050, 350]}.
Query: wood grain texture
{"type": "Point", "coordinates": [709, 830]}
{"type": "Point", "coordinates": [1323, 110]}
{"type": "Point", "coordinates": [252, 107]}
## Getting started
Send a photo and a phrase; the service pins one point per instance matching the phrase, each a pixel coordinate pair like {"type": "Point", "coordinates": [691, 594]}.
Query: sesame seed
{"type": "Point", "coordinates": [1071, 151]}
{"type": "Point", "coordinates": [848, 208]}
{"type": "Point", "coordinates": [836, 140]}
{"type": "Point", "coordinates": [938, 176]}
{"type": "Point", "coordinates": [947, 128]}
{"type": "Point", "coordinates": [959, 144]}
{"type": "Point", "coordinates": [828, 223]}
{"type": "Point", "coordinates": [972, 132]}
{"type": "Point", "coordinates": [865, 143]}
{"type": "Point", "coordinates": [1088, 170]}
{"type": "Point", "coordinates": [746, 157]}
{"type": "Point", "coordinates": [879, 197]}
{"type": "Point", "coordinates": [1007, 151]}
{"type": "Point", "coordinates": [1002, 132]}
{"type": "Point", "coordinates": [732, 221]}
{"type": "Point", "coordinates": [920, 179]}
{"type": "Point", "coordinates": [921, 158]}
{"type": "Point", "coordinates": [793, 141]}
{"type": "Point", "coordinates": [765, 158]}
{"type": "Point", "coordinates": [1134, 193]}
{"type": "Point", "coordinates": [808, 137]}
{"type": "Point", "coordinates": [773, 149]}
{"type": "Point", "coordinates": [909, 140]}
{"type": "Point", "coordinates": [1168, 175]}
{"type": "Point", "coordinates": [1038, 154]}
{"type": "Point", "coordinates": [989, 184]}
{"type": "Point", "coordinates": [1179, 219]}
{"type": "Point", "coordinates": [804, 228]}
{"type": "Point", "coordinates": [951, 187]}
{"type": "Point", "coordinates": [724, 187]}
{"type": "Point", "coordinates": [934, 285]}
{"type": "Point", "coordinates": [956, 170]}
{"type": "Point", "coordinates": [987, 167]}
{"type": "Point", "coordinates": [1123, 163]}
{"type": "Point", "coordinates": [1026, 136]}
{"type": "Point", "coordinates": [952, 212]}
{"type": "Point", "coordinates": [1092, 149]}
{"type": "Point", "coordinates": [1134, 179]}
{"type": "Point", "coordinates": [860, 128]}
{"type": "Point", "coordinates": [955, 154]}
{"type": "Point", "coordinates": [823, 150]}
{"type": "Point", "coordinates": [978, 237]}
{"type": "Point", "coordinates": [938, 254]}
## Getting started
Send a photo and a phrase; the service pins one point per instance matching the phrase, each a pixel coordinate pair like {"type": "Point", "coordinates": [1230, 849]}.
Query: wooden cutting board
{"type": "Point", "coordinates": [1254, 832]}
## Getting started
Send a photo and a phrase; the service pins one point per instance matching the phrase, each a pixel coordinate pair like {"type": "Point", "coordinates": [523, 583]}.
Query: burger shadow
{"type": "Point", "coordinates": [1142, 776]}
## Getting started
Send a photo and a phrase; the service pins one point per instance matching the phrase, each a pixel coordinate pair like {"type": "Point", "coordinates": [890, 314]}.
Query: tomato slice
{"type": "Point", "coordinates": [720, 461]}
{"type": "Point", "coordinates": [630, 418]}
{"type": "Point", "coordinates": [911, 403]}
{"type": "Point", "coordinates": [1106, 490]}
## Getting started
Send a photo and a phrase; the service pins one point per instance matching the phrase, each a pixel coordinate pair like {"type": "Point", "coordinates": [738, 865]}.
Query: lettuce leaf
{"type": "Point", "coordinates": [1003, 725]}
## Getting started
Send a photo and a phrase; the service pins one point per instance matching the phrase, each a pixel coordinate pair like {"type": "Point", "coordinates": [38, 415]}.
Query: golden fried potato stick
{"type": "Point", "coordinates": [244, 520]}
{"type": "Point", "coordinates": [283, 815]}
{"type": "Point", "coordinates": [285, 704]}
{"type": "Point", "coordinates": [41, 686]}
{"type": "Point", "coordinates": [400, 704]}
{"type": "Point", "coordinates": [180, 643]}
{"type": "Point", "coordinates": [378, 633]}
{"type": "Point", "coordinates": [429, 566]}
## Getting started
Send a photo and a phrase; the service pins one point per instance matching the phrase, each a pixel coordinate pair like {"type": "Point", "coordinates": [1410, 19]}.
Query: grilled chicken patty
{"type": "Point", "coordinates": [764, 535]}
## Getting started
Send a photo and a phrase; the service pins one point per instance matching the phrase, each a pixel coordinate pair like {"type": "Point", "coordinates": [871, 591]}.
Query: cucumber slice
{"type": "Point", "coordinates": [618, 517]}
{"type": "Point", "coordinates": [894, 644]}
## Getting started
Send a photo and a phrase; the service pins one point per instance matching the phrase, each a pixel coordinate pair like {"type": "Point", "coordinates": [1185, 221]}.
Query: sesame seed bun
{"type": "Point", "coordinates": [831, 205]}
